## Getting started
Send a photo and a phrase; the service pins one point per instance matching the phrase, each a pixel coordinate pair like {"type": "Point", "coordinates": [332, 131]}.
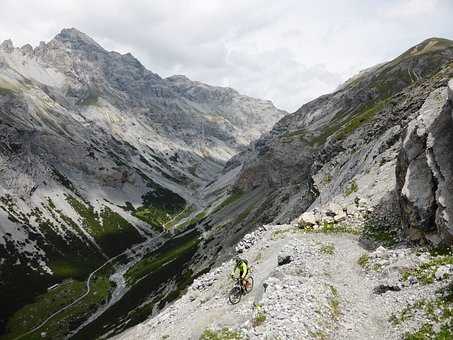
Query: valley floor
{"type": "Point", "coordinates": [332, 289]}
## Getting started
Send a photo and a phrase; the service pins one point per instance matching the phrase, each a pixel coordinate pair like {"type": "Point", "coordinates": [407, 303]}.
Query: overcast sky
{"type": "Point", "coordinates": [288, 51]}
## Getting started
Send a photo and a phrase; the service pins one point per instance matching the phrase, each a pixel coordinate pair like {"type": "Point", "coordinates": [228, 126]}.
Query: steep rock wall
{"type": "Point", "coordinates": [424, 171]}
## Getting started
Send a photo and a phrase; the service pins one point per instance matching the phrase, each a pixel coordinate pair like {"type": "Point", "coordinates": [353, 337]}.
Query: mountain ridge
{"type": "Point", "coordinates": [99, 154]}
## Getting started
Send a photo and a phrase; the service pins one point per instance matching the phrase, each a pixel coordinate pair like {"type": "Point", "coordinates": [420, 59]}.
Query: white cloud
{"type": "Point", "coordinates": [411, 8]}
{"type": "Point", "coordinates": [288, 51]}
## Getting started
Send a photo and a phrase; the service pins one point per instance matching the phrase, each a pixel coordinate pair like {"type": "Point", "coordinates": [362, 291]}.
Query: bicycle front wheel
{"type": "Point", "coordinates": [235, 295]}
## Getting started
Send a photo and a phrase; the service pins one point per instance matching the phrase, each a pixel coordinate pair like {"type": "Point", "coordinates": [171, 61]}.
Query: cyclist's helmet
{"type": "Point", "coordinates": [238, 260]}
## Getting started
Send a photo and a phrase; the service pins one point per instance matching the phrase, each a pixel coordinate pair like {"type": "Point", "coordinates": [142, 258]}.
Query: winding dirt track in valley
{"type": "Point", "coordinates": [88, 288]}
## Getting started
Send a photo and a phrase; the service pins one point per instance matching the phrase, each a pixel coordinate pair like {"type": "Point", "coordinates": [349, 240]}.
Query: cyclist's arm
{"type": "Point", "coordinates": [235, 272]}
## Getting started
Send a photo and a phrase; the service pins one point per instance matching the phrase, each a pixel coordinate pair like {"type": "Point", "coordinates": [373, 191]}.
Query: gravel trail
{"type": "Point", "coordinates": [323, 293]}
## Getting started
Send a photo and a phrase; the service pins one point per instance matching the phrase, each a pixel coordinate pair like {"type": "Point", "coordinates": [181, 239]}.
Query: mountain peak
{"type": "Point", "coordinates": [179, 78]}
{"type": "Point", "coordinates": [429, 45]}
{"type": "Point", "coordinates": [7, 45]}
{"type": "Point", "coordinates": [75, 38]}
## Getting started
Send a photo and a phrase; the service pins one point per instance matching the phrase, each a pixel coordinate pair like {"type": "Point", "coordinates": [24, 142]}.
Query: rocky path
{"type": "Point", "coordinates": [363, 316]}
{"type": "Point", "coordinates": [322, 293]}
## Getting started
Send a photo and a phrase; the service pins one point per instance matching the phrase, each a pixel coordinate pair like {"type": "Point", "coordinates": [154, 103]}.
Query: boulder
{"type": "Point", "coordinates": [340, 217]}
{"type": "Point", "coordinates": [384, 288]}
{"type": "Point", "coordinates": [284, 258]}
{"type": "Point", "coordinates": [308, 218]}
{"type": "Point", "coordinates": [444, 272]}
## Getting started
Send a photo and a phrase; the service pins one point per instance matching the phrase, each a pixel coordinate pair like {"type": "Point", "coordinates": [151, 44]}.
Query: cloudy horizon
{"type": "Point", "coordinates": [288, 52]}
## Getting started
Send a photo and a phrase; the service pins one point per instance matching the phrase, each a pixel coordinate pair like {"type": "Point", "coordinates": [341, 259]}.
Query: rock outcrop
{"type": "Point", "coordinates": [425, 171]}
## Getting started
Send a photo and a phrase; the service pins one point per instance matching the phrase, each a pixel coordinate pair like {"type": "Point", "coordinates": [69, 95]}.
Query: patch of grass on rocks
{"type": "Point", "coordinates": [364, 261]}
{"type": "Point", "coordinates": [223, 334]}
{"type": "Point", "coordinates": [437, 312]}
{"type": "Point", "coordinates": [328, 249]}
{"type": "Point", "coordinates": [382, 236]}
{"type": "Point", "coordinates": [330, 228]}
{"type": "Point", "coordinates": [425, 272]}
{"type": "Point", "coordinates": [351, 188]}
{"type": "Point", "coordinates": [334, 303]}
{"type": "Point", "coordinates": [281, 233]}
{"type": "Point", "coordinates": [259, 318]}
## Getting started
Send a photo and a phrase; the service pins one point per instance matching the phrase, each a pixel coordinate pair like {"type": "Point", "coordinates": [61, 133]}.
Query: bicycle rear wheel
{"type": "Point", "coordinates": [249, 285]}
{"type": "Point", "coordinates": [235, 295]}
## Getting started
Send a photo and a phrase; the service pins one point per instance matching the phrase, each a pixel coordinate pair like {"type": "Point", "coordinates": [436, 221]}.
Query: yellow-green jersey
{"type": "Point", "coordinates": [240, 270]}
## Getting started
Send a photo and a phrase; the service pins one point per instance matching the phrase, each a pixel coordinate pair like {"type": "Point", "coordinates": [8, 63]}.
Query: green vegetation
{"type": "Point", "coordinates": [259, 257]}
{"type": "Point", "coordinates": [324, 134]}
{"type": "Point", "coordinates": [172, 250]}
{"type": "Point", "coordinates": [112, 232]}
{"type": "Point", "coordinates": [327, 179]}
{"type": "Point", "coordinates": [301, 135]}
{"type": "Point", "coordinates": [351, 188]}
{"type": "Point", "coordinates": [278, 234]}
{"type": "Point", "coordinates": [6, 91]}
{"type": "Point", "coordinates": [259, 318]}
{"type": "Point", "coordinates": [223, 334]}
{"type": "Point", "coordinates": [386, 237]}
{"type": "Point", "coordinates": [381, 229]}
{"type": "Point", "coordinates": [438, 312]}
{"type": "Point", "coordinates": [182, 215]}
{"type": "Point", "coordinates": [159, 207]}
{"type": "Point", "coordinates": [325, 227]}
{"type": "Point", "coordinates": [198, 217]}
{"type": "Point", "coordinates": [64, 181]}
{"type": "Point", "coordinates": [334, 302]}
{"type": "Point", "coordinates": [359, 119]}
{"type": "Point", "coordinates": [363, 261]}
{"type": "Point", "coordinates": [328, 249]}
{"type": "Point", "coordinates": [329, 227]}
{"type": "Point", "coordinates": [48, 303]}
{"type": "Point", "coordinates": [243, 215]}
{"type": "Point", "coordinates": [233, 197]}
{"type": "Point", "coordinates": [154, 217]}
{"type": "Point", "coordinates": [345, 123]}
{"type": "Point", "coordinates": [425, 272]}
{"type": "Point", "coordinates": [427, 332]}
{"type": "Point", "coordinates": [193, 221]}
{"type": "Point", "coordinates": [319, 335]}
{"type": "Point", "coordinates": [91, 99]}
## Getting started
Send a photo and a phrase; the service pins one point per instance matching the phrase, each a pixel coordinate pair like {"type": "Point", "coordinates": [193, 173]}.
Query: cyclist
{"type": "Point", "coordinates": [241, 270]}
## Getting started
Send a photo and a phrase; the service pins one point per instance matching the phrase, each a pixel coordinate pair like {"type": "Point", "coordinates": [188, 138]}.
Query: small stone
{"type": "Point", "coordinates": [412, 280]}
{"type": "Point", "coordinates": [380, 250]}
{"type": "Point", "coordinates": [284, 258]}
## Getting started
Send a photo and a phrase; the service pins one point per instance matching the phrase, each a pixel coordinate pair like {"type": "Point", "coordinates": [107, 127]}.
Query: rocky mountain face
{"type": "Point", "coordinates": [97, 154]}
{"type": "Point", "coordinates": [348, 149]}
{"type": "Point", "coordinates": [349, 203]}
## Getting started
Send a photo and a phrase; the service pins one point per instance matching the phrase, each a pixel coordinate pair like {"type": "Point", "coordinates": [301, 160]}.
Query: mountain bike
{"type": "Point", "coordinates": [238, 290]}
